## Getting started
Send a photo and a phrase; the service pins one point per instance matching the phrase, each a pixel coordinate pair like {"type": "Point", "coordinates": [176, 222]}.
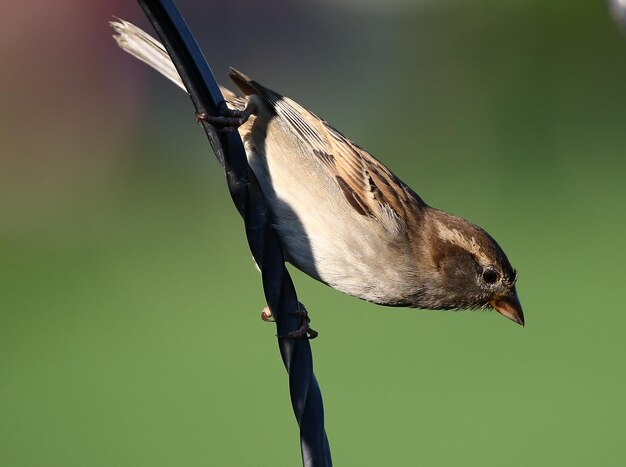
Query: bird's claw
{"type": "Point", "coordinates": [266, 315]}
{"type": "Point", "coordinates": [304, 331]}
{"type": "Point", "coordinates": [227, 119]}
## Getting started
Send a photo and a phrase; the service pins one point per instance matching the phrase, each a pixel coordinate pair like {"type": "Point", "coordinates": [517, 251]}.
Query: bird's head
{"type": "Point", "coordinates": [468, 269]}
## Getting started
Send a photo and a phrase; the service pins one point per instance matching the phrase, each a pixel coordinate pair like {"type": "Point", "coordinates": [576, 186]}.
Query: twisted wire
{"type": "Point", "coordinates": [280, 293]}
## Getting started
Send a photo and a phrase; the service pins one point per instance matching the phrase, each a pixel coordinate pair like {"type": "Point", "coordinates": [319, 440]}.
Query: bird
{"type": "Point", "coordinates": [342, 216]}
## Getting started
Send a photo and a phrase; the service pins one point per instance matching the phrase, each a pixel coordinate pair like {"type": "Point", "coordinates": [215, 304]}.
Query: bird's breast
{"type": "Point", "coordinates": [320, 231]}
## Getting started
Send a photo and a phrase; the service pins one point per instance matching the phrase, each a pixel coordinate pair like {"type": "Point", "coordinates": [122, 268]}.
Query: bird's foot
{"type": "Point", "coordinates": [227, 119]}
{"type": "Point", "coordinates": [304, 331]}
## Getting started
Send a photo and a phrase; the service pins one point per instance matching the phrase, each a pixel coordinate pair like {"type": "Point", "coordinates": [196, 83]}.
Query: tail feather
{"type": "Point", "coordinates": [146, 48]}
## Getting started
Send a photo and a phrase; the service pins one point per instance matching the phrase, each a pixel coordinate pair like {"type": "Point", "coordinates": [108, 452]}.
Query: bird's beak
{"type": "Point", "coordinates": [508, 305]}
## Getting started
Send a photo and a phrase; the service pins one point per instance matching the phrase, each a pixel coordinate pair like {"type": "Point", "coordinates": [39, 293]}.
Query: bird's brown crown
{"type": "Point", "coordinates": [467, 266]}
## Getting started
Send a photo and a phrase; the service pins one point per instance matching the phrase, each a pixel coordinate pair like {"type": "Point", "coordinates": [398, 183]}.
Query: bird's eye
{"type": "Point", "coordinates": [490, 275]}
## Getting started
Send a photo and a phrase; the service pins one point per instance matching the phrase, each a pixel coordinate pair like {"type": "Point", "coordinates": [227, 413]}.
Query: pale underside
{"type": "Point", "coordinates": [338, 211]}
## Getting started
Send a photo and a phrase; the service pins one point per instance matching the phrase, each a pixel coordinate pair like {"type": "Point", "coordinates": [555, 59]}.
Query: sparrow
{"type": "Point", "coordinates": [342, 216]}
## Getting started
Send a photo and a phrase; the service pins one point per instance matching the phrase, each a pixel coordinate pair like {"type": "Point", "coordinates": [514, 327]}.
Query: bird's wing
{"type": "Point", "coordinates": [370, 187]}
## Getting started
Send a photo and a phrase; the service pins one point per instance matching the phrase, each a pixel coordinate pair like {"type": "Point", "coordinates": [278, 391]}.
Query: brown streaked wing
{"type": "Point", "coordinates": [367, 185]}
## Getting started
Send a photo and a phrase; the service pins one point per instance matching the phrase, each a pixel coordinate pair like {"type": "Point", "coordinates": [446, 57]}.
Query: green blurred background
{"type": "Point", "coordinates": [129, 305]}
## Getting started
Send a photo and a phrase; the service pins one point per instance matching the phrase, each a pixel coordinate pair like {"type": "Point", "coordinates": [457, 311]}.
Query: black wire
{"type": "Point", "coordinates": [280, 294]}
